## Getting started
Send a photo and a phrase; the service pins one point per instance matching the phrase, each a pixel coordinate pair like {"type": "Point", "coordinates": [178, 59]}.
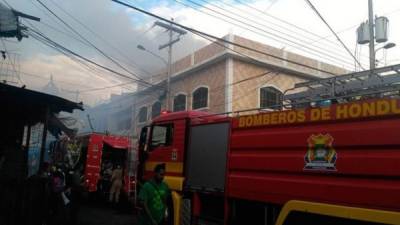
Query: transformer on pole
{"type": "Point", "coordinates": [371, 31]}
{"type": "Point", "coordinates": [10, 26]}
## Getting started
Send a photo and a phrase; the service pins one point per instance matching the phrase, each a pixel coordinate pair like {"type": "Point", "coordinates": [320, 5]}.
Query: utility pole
{"type": "Point", "coordinates": [180, 32]}
{"type": "Point", "coordinates": [374, 30]}
{"type": "Point", "coordinates": [371, 36]}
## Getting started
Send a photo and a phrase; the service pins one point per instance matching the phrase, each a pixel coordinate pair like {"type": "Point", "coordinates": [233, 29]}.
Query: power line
{"type": "Point", "coordinates": [65, 52]}
{"type": "Point", "coordinates": [99, 50]}
{"type": "Point", "coordinates": [197, 32]}
{"type": "Point", "coordinates": [260, 31]}
{"type": "Point", "coordinates": [249, 92]}
{"type": "Point", "coordinates": [320, 51]}
{"type": "Point", "coordinates": [80, 62]}
{"type": "Point", "coordinates": [62, 48]}
{"type": "Point", "coordinates": [65, 33]}
{"type": "Point", "coordinates": [69, 34]}
{"type": "Point", "coordinates": [221, 87]}
{"type": "Point", "coordinates": [11, 63]}
{"type": "Point", "coordinates": [279, 19]}
{"type": "Point", "coordinates": [351, 27]}
{"type": "Point", "coordinates": [312, 42]}
{"type": "Point", "coordinates": [46, 78]}
{"type": "Point", "coordinates": [103, 88]}
{"type": "Point", "coordinates": [136, 66]}
{"type": "Point", "coordinates": [8, 4]}
{"type": "Point", "coordinates": [330, 28]}
{"type": "Point", "coordinates": [273, 2]}
{"type": "Point", "coordinates": [48, 15]}
{"type": "Point", "coordinates": [85, 65]}
{"type": "Point", "coordinates": [307, 41]}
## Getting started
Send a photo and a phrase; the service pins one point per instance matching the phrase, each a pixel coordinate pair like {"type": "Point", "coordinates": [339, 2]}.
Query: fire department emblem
{"type": "Point", "coordinates": [320, 154]}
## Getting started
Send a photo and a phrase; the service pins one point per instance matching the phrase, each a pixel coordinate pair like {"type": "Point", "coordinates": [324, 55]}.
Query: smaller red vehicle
{"type": "Point", "coordinates": [96, 155]}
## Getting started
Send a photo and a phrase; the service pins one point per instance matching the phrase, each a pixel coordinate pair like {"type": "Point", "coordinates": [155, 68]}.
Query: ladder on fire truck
{"type": "Point", "coordinates": [340, 88]}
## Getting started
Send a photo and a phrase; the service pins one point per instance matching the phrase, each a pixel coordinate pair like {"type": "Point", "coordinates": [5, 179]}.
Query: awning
{"type": "Point", "coordinates": [30, 107]}
{"type": "Point", "coordinates": [116, 143]}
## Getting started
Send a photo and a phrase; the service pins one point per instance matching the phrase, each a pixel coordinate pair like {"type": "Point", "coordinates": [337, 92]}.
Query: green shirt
{"type": "Point", "coordinates": [155, 196]}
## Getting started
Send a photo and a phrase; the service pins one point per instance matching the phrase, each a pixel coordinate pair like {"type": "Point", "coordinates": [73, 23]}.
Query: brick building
{"type": "Point", "coordinates": [219, 79]}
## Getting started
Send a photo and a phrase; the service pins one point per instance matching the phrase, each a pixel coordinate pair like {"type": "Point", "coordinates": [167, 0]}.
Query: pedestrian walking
{"type": "Point", "coordinates": [116, 180]}
{"type": "Point", "coordinates": [153, 196]}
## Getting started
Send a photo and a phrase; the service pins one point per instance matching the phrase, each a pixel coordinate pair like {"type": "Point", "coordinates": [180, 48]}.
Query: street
{"type": "Point", "coordinates": [94, 214]}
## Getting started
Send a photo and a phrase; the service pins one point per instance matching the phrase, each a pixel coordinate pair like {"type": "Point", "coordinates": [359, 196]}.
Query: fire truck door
{"type": "Point", "coordinates": [206, 155]}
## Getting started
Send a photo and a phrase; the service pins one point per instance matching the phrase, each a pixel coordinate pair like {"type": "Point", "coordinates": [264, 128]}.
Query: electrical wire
{"type": "Point", "coordinates": [320, 51]}
{"type": "Point", "coordinates": [249, 91]}
{"type": "Point", "coordinates": [273, 2]}
{"type": "Point", "coordinates": [93, 70]}
{"type": "Point", "coordinates": [330, 28]}
{"type": "Point", "coordinates": [197, 32]}
{"type": "Point", "coordinates": [107, 87]}
{"type": "Point", "coordinates": [24, 73]}
{"type": "Point", "coordinates": [66, 50]}
{"type": "Point", "coordinates": [307, 41]}
{"type": "Point", "coordinates": [263, 32]}
{"type": "Point", "coordinates": [66, 33]}
{"type": "Point", "coordinates": [9, 60]}
{"type": "Point", "coordinates": [83, 38]}
{"type": "Point", "coordinates": [282, 21]}
{"type": "Point", "coordinates": [136, 66]}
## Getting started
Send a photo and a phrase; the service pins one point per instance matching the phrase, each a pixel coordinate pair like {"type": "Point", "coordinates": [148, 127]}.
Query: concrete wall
{"type": "Point", "coordinates": [248, 79]}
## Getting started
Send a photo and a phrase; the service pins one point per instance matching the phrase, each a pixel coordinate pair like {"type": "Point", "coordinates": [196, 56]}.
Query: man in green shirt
{"type": "Point", "coordinates": [153, 196]}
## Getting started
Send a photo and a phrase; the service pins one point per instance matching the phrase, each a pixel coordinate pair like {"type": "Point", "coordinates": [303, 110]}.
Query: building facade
{"type": "Point", "coordinates": [217, 78]}
{"type": "Point", "coordinates": [223, 78]}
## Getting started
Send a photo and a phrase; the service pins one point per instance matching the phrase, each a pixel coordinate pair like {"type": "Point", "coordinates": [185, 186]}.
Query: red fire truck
{"type": "Point", "coordinates": [94, 152]}
{"type": "Point", "coordinates": [332, 164]}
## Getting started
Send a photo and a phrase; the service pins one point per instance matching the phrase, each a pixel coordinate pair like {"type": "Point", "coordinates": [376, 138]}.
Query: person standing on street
{"type": "Point", "coordinates": [116, 180]}
{"type": "Point", "coordinates": [153, 196]}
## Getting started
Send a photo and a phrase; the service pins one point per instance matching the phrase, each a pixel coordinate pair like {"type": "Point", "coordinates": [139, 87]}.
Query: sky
{"type": "Point", "coordinates": [117, 30]}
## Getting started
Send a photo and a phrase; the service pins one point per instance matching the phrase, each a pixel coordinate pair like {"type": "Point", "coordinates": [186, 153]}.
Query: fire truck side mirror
{"type": "Point", "coordinates": [143, 138]}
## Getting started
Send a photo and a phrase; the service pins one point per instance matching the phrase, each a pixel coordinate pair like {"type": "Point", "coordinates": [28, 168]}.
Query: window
{"type": "Point", "coordinates": [200, 98]}
{"type": "Point", "coordinates": [179, 103]}
{"type": "Point", "coordinates": [155, 109]}
{"type": "Point", "coordinates": [270, 97]}
{"type": "Point", "coordinates": [143, 114]}
{"type": "Point", "coordinates": [161, 135]}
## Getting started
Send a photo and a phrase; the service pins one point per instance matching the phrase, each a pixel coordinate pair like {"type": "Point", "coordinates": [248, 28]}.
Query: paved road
{"type": "Point", "coordinates": [102, 215]}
